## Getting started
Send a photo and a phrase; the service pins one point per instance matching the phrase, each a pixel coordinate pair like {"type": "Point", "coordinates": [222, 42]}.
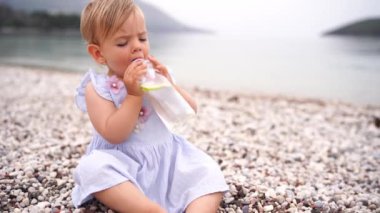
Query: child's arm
{"type": "Point", "coordinates": [116, 124]}
{"type": "Point", "coordinates": [113, 124]}
{"type": "Point", "coordinates": [163, 70]}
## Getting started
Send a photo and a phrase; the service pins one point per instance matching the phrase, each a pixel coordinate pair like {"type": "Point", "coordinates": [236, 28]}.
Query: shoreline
{"type": "Point", "coordinates": [249, 94]}
{"type": "Point", "coordinates": [278, 153]}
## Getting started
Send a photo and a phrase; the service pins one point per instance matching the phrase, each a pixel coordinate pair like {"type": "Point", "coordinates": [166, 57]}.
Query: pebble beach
{"type": "Point", "coordinates": [278, 153]}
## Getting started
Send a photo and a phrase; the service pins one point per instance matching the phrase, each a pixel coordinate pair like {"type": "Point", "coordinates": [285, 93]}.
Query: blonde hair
{"type": "Point", "coordinates": [101, 18]}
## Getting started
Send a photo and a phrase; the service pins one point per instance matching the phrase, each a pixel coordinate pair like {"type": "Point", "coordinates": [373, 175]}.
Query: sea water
{"type": "Point", "coordinates": [333, 68]}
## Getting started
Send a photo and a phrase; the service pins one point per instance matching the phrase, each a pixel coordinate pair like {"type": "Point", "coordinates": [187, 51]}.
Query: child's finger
{"type": "Point", "coordinates": [153, 60]}
{"type": "Point", "coordinates": [161, 67]}
{"type": "Point", "coordinates": [140, 73]}
{"type": "Point", "coordinates": [140, 67]}
{"type": "Point", "coordinates": [132, 66]}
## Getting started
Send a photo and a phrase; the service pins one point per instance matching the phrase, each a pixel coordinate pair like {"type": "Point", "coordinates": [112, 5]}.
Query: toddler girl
{"type": "Point", "coordinates": [134, 163]}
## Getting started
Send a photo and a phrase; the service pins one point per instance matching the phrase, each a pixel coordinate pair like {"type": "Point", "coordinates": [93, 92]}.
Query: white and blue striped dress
{"type": "Point", "coordinates": [165, 167]}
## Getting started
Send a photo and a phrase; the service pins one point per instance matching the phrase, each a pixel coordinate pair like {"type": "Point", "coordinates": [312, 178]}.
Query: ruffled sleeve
{"type": "Point", "coordinates": [100, 86]}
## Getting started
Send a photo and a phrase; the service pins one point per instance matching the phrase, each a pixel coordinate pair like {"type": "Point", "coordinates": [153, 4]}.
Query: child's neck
{"type": "Point", "coordinates": [111, 73]}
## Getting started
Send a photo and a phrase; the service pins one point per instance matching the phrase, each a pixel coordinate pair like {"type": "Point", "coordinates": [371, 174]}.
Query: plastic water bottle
{"type": "Point", "coordinates": [170, 106]}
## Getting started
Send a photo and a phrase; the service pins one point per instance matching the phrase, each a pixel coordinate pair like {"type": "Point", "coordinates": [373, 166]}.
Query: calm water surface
{"type": "Point", "coordinates": [346, 69]}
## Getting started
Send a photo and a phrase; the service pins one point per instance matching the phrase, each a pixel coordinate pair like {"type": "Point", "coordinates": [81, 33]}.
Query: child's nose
{"type": "Point", "coordinates": [136, 49]}
{"type": "Point", "coordinates": [136, 46]}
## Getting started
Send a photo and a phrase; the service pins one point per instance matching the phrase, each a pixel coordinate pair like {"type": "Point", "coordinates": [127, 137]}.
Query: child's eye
{"type": "Point", "coordinates": [143, 39]}
{"type": "Point", "coordinates": [122, 44]}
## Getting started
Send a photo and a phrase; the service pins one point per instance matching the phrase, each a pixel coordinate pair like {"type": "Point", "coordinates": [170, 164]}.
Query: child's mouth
{"type": "Point", "coordinates": [136, 59]}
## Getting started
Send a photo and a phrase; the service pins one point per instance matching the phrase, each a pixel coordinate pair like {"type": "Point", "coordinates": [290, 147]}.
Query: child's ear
{"type": "Point", "coordinates": [96, 54]}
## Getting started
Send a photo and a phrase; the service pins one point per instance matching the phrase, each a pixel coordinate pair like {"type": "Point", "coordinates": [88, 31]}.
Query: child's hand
{"type": "Point", "coordinates": [132, 77]}
{"type": "Point", "coordinates": [160, 68]}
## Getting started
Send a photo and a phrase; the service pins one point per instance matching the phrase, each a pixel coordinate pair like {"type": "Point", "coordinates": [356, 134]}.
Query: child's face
{"type": "Point", "coordinates": [129, 43]}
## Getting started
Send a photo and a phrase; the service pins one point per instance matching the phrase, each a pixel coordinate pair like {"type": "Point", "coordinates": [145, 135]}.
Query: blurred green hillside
{"type": "Point", "coordinates": [64, 15]}
{"type": "Point", "coordinates": [367, 27]}
{"type": "Point", "coordinates": [42, 20]}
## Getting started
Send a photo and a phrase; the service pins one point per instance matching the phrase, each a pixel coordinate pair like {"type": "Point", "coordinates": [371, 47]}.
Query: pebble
{"type": "Point", "coordinates": [229, 200]}
{"type": "Point", "coordinates": [245, 209]}
{"type": "Point", "coordinates": [319, 204]}
{"type": "Point", "coordinates": [25, 202]}
{"type": "Point", "coordinates": [268, 208]}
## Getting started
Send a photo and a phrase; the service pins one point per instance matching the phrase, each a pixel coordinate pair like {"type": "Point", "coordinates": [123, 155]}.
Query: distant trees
{"type": "Point", "coordinates": [39, 19]}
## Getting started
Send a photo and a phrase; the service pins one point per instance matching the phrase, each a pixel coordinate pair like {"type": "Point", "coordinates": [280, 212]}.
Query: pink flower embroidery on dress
{"type": "Point", "coordinates": [144, 114]}
{"type": "Point", "coordinates": [114, 84]}
{"type": "Point", "coordinates": [143, 117]}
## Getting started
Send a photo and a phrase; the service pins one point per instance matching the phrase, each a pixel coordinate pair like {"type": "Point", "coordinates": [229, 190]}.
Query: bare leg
{"type": "Point", "coordinates": [206, 204]}
{"type": "Point", "coordinates": [126, 198]}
